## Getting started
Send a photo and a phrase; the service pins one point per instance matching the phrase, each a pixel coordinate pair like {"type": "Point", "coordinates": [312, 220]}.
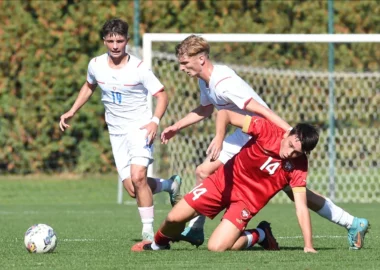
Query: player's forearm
{"type": "Point", "coordinates": [222, 121]}
{"type": "Point", "coordinates": [83, 96]}
{"type": "Point", "coordinates": [275, 119]}
{"type": "Point", "coordinates": [304, 221]}
{"type": "Point", "coordinates": [194, 116]}
{"type": "Point", "coordinates": [257, 108]}
{"type": "Point", "coordinates": [189, 120]}
{"type": "Point", "coordinates": [162, 104]}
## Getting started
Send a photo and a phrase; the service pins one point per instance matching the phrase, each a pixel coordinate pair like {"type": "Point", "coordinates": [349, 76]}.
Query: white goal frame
{"type": "Point", "coordinates": [149, 38]}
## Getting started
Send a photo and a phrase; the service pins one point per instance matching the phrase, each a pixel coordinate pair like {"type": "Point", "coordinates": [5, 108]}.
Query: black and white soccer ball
{"type": "Point", "coordinates": [40, 238]}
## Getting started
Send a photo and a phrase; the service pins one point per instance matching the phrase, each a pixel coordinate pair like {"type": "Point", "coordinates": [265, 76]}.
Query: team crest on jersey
{"type": "Point", "coordinates": [288, 166]}
{"type": "Point", "coordinates": [245, 214]}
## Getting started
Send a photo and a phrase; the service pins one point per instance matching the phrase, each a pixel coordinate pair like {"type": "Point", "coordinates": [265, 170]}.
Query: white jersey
{"type": "Point", "coordinates": [124, 92]}
{"type": "Point", "coordinates": [227, 91]}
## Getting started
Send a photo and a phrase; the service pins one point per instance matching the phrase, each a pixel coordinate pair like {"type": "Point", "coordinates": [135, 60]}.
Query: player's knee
{"type": "Point", "coordinates": [216, 247]}
{"type": "Point", "coordinates": [131, 193]}
{"type": "Point", "coordinates": [138, 179]}
{"type": "Point", "coordinates": [128, 186]}
{"type": "Point", "coordinates": [173, 218]}
{"type": "Point", "coordinates": [201, 173]}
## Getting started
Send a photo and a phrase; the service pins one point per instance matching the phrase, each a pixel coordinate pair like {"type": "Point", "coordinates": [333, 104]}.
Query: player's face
{"type": "Point", "coordinates": [290, 147]}
{"type": "Point", "coordinates": [192, 65]}
{"type": "Point", "coordinates": [116, 45]}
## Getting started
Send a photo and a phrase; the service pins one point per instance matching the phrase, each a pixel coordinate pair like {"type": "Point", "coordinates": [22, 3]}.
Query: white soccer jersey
{"type": "Point", "coordinates": [227, 91]}
{"type": "Point", "coordinates": [124, 91]}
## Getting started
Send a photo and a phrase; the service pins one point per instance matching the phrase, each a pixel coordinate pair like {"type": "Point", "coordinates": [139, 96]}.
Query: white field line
{"type": "Point", "coordinates": [277, 237]}
{"type": "Point", "coordinates": [2, 240]}
{"type": "Point", "coordinates": [32, 212]}
{"type": "Point", "coordinates": [280, 237]}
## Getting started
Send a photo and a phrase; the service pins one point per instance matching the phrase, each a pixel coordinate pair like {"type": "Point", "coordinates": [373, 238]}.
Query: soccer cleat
{"type": "Point", "coordinates": [195, 237]}
{"type": "Point", "coordinates": [357, 233]}
{"type": "Point", "coordinates": [175, 195]}
{"type": "Point", "coordinates": [145, 246]}
{"type": "Point", "coordinates": [147, 236]}
{"type": "Point", "coordinates": [269, 242]}
{"type": "Point", "coordinates": [140, 246]}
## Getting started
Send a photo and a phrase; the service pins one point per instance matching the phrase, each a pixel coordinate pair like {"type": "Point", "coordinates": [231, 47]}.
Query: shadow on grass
{"type": "Point", "coordinates": [284, 248]}
{"type": "Point", "coordinates": [256, 248]}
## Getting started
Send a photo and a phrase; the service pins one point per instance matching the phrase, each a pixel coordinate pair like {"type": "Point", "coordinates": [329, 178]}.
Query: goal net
{"type": "Point", "coordinates": [345, 164]}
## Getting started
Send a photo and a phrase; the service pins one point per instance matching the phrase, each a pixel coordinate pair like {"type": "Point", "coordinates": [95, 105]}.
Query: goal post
{"type": "Point", "coordinates": [149, 38]}
{"type": "Point", "coordinates": [328, 138]}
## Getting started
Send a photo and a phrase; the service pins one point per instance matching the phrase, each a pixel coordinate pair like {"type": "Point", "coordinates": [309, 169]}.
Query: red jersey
{"type": "Point", "coordinates": [257, 172]}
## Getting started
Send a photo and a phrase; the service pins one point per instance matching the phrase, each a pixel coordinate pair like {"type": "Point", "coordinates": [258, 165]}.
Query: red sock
{"type": "Point", "coordinates": [253, 237]}
{"type": "Point", "coordinates": [161, 239]}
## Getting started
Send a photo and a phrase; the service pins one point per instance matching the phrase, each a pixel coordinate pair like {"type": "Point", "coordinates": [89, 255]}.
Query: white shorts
{"type": "Point", "coordinates": [131, 148]}
{"type": "Point", "coordinates": [232, 145]}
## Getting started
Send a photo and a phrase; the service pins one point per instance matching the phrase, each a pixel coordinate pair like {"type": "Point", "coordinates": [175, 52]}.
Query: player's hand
{"type": "Point", "coordinates": [168, 133]}
{"type": "Point", "coordinates": [64, 118]}
{"type": "Point", "coordinates": [151, 131]}
{"type": "Point", "coordinates": [309, 250]}
{"type": "Point", "coordinates": [214, 149]}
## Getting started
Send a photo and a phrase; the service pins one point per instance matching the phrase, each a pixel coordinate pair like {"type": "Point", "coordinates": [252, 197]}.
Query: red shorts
{"type": "Point", "coordinates": [207, 200]}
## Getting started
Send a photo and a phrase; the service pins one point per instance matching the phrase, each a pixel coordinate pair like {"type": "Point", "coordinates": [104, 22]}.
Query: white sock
{"type": "Point", "coordinates": [162, 185]}
{"type": "Point", "coordinates": [261, 235]}
{"type": "Point", "coordinates": [336, 214]}
{"type": "Point", "coordinates": [154, 246]}
{"type": "Point", "coordinates": [249, 238]}
{"type": "Point", "coordinates": [197, 222]}
{"type": "Point", "coordinates": [147, 217]}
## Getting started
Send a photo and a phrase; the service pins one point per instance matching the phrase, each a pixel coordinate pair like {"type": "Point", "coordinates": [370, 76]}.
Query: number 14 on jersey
{"type": "Point", "coordinates": [270, 167]}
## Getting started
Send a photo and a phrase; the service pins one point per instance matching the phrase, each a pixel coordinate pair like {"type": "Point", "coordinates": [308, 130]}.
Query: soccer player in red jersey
{"type": "Point", "coordinates": [221, 88]}
{"type": "Point", "coordinates": [269, 161]}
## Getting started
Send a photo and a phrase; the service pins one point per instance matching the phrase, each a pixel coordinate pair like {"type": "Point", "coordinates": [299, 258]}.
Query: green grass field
{"type": "Point", "coordinates": [96, 233]}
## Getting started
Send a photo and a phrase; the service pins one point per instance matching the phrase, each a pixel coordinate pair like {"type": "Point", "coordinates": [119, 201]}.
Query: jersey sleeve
{"type": "Point", "coordinates": [236, 91]}
{"type": "Point", "coordinates": [149, 80]}
{"type": "Point", "coordinates": [205, 101]}
{"type": "Point", "coordinates": [299, 175]}
{"type": "Point", "coordinates": [256, 126]}
{"type": "Point", "coordinates": [90, 73]}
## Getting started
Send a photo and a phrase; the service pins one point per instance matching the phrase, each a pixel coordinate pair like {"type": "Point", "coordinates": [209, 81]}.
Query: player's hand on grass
{"type": "Point", "coordinates": [151, 131]}
{"type": "Point", "coordinates": [309, 250]}
{"type": "Point", "coordinates": [214, 149]}
{"type": "Point", "coordinates": [64, 118]}
{"type": "Point", "coordinates": [168, 133]}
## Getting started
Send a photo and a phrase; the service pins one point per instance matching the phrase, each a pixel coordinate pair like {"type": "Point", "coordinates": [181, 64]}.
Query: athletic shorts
{"type": "Point", "coordinates": [131, 148]}
{"type": "Point", "coordinates": [232, 145]}
{"type": "Point", "coordinates": [207, 200]}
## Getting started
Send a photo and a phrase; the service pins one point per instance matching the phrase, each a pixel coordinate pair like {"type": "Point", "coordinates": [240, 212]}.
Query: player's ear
{"type": "Point", "coordinates": [202, 59]}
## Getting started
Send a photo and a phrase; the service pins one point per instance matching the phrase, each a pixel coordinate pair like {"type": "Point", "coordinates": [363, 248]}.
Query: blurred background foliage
{"type": "Point", "coordinates": [46, 46]}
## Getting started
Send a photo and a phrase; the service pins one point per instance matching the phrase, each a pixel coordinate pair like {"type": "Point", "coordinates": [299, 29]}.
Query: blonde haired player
{"type": "Point", "coordinates": [222, 88]}
{"type": "Point", "coordinates": [125, 82]}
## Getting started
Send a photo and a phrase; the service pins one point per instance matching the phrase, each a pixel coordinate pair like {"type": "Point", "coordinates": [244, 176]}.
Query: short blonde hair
{"type": "Point", "coordinates": [192, 45]}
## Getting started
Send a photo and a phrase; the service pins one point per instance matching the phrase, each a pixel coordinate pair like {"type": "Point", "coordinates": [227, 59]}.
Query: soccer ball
{"type": "Point", "coordinates": [40, 238]}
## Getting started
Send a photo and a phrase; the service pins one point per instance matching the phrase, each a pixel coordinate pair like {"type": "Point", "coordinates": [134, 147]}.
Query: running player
{"type": "Point", "coordinates": [125, 82]}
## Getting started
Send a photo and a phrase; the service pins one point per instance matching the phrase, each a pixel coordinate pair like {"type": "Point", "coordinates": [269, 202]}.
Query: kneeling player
{"type": "Point", "coordinates": [271, 160]}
